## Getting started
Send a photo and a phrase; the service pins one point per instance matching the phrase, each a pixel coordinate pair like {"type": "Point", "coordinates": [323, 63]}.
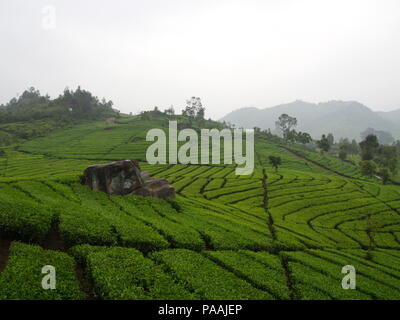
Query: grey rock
{"type": "Point", "coordinates": [125, 177]}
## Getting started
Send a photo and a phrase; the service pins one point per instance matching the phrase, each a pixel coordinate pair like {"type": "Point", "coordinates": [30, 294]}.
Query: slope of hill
{"type": "Point", "coordinates": [393, 116]}
{"type": "Point", "coordinates": [342, 119]}
{"type": "Point", "coordinates": [33, 115]}
{"type": "Point", "coordinates": [270, 235]}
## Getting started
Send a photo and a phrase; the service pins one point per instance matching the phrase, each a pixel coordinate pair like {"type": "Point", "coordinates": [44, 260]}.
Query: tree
{"type": "Point", "coordinates": [383, 136]}
{"type": "Point", "coordinates": [369, 147]}
{"type": "Point", "coordinates": [368, 168]}
{"type": "Point", "coordinates": [384, 174]}
{"type": "Point", "coordinates": [323, 144]}
{"type": "Point", "coordinates": [275, 162]}
{"type": "Point", "coordinates": [331, 139]}
{"type": "Point", "coordinates": [144, 115]}
{"type": "Point", "coordinates": [200, 112]}
{"type": "Point", "coordinates": [303, 137]}
{"type": "Point", "coordinates": [397, 145]}
{"type": "Point", "coordinates": [285, 124]}
{"type": "Point", "coordinates": [170, 111]}
{"type": "Point", "coordinates": [70, 105]}
{"type": "Point", "coordinates": [291, 136]}
{"type": "Point", "coordinates": [387, 157]}
{"type": "Point", "coordinates": [354, 148]}
{"type": "Point", "coordinates": [194, 109]}
{"type": "Point", "coordinates": [342, 154]}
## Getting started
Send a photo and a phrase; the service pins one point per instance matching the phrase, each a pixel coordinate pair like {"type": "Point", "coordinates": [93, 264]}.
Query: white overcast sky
{"type": "Point", "coordinates": [232, 54]}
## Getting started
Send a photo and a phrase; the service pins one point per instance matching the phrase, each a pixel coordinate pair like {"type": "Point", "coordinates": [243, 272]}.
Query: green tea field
{"type": "Point", "coordinates": [282, 234]}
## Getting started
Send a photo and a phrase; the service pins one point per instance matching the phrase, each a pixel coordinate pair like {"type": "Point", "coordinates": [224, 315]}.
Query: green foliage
{"type": "Point", "coordinates": [81, 252]}
{"type": "Point", "coordinates": [369, 147]}
{"type": "Point", "coordinates": [330, 162]}
{"type": "Point", "coordinates": [82, 225]}
{"type": "Point", "coordinates": [324, 143]}
{"type": "Point", "coordinates": [78, 104]}
{"type": "Point", "coordinates": [382, 136]}
{"type": "Point", "coordinates": [124, 274]}
{"type": "Point", "coordinates": [368, 168]}
{"type": "Point", "coordinates": [303, 137]}
{"type": "Point", "coordinates": [224, 236]}
{"type": "Point", "coordinates": [22, 278]}
{"type": "Point", "coordinates": [98, 221]}
{"type": "Point", "coordinates": [322, 269]}
{"type": "Point", "coordinates": [192, 269]}
{"type": "Point", "coordinates": [285, 124]}
{"type": "Point", "coordinates": [330, 139]}
{"type": "Point", "coordinates": [194, 109]}
{"type": "Point", "coordinates": [23, 217]}
{"type": "Point", "coordinates": [6, 138]}
{"type": "Point", "coordinates": [342, 154]}
{"type": "Point", "coordinates": [384, 174]}
{"type": "Point", "coordinates": [387, 156]}
{"type": "Point", "coordinates": [350, 148]}
{"type": "Point", "coordinates": [275, 162]}
{"type": "Point", "coordinates": [29, 129]}
{"type": "Point", "coordinates": [263, 276]}
{"type": "Point", "coordinates": [311, 284]}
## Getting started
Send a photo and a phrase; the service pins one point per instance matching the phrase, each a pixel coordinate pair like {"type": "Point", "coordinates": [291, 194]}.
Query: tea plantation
{"type": "Point", "coordinates": [282, 234]}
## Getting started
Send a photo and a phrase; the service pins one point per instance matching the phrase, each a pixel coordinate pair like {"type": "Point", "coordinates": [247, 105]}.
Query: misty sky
{"type": "Point", "coordinates": [232, 54]}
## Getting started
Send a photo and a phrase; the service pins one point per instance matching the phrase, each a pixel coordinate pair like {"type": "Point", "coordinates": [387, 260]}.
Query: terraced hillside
{"type": "Point", "coordinates": [270, 235]}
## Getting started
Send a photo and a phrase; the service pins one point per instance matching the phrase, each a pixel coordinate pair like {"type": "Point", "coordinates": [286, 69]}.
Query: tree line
{"type": "Point", "coordinates": [378, 152]}
{"type": "Point", "coordinates": [76, 104]}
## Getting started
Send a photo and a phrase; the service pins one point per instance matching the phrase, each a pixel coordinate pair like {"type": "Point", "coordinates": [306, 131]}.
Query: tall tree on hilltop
{"type": "Point", "coordinates": [170, 111]}
{"type": "Point", "coordinates": [194, 109]}
{"type": "Point", "coordinates": [331, 139]}
{"type": "Point", "coordinates": [369, 147]}
{"type": "Point", "coordinates": [324, 144]}
{"type": "Point", "coordinates": [387, 157]}
{"type": "Point", "coordinates": [303, 137]}
{"type": "Point", "coordinates": [285, 124]}
{"type": "Point", "coordinates": [382, 136]}
{"type": "Point", "coordinates": [368, 168]}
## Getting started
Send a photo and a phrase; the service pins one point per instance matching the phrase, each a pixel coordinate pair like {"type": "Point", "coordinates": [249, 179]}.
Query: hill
{"type": "Point", "coordinates": [393, 116]}
{"type": "Point", "coordinates": [342, 119]}
{"type": "Point", "coordinates": [22, 116]}
{"type": "Point", "coordinates": [282, 234]}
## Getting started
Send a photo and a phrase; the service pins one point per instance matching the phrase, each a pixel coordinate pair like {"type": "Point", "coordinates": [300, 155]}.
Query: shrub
{"type": "Point", "coordinates": [368, 168]}
{"type": "Point", "coordinates": [124, 274]}
{"type": "Point", "coordinates": [24, 219]}
{"type": "Point", "coordinates": [192, 268]}
{"type": "Point", "coordinates": [22, 277]}
{"type": "Point", "coordinates": [384, 174]}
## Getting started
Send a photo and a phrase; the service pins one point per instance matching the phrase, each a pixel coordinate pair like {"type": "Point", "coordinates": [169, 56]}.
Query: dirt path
{"type": "Point", "coordinates": [53, 240]}
{"type": "Point", "coordinates": [4, 253]}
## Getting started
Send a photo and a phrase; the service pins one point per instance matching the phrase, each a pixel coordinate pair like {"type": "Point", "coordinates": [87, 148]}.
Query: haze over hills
{"type": "Point", "coordinates": [344, 119]}
{"type": "Point", "coordinates": [393, 116]}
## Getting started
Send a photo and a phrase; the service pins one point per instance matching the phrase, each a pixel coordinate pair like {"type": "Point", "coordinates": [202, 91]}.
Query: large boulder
{"type": "Point", "coordinates": [159, 188]}
{"type": "Point", "coordinates": [125, 177]}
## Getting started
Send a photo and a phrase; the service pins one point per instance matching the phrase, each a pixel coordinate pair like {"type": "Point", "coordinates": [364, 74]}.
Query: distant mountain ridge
{"type": "Point", "coordinates": [344, 119]}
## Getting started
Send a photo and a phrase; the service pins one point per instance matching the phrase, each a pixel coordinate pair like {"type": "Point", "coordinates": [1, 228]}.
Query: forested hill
{"type": "Point", "coordinates": [70, 105]}
{"type": "Point", "coordinates": [32, 114]}
{"type": "Point", "coordinates": [344, 119]}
